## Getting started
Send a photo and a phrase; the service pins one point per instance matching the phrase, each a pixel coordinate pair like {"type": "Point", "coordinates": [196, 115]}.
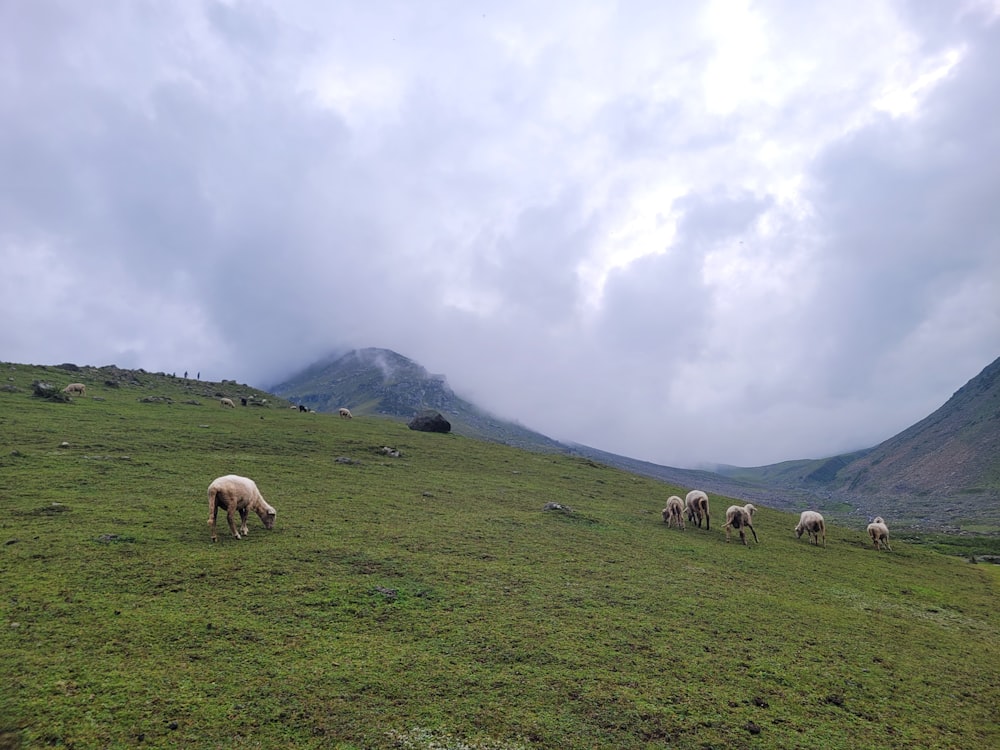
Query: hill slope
{"type": "Point", "coordinates": [382, 382]}
{"type": "Point", "coordinates": [429, 601]}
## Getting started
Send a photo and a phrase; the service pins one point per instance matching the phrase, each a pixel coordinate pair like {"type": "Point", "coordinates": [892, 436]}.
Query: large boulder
{"type": "Point", "coordinates": [430, 422]}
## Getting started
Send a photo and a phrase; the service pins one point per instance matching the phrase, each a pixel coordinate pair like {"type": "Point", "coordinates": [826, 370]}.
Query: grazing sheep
{"type": "Point", "coordinates": [235, 494]}
{"type": "Point", "coordinates": [345, 413]}
{"type": "Point", "coordinates": [243, 402]}
{"type": "Point", "coordinates": [78, 388]}
{"type": "Point", "coordinates": [227, 402]}
{"type": "Point", "coordinates": [812, 523]}
{"type": "Point", "coordinates": [697, 508]}
{"type": "Point", "coordinates": [740, 518]}
{"type": "Point", "coordinates": [879, 533]}
{"type": "Point", "coordinates": [302, 408]}
{"type": "Point", "coordinates": [674, 512]}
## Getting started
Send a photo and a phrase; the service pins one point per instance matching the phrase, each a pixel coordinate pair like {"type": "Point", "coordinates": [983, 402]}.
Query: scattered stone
{"type": "Point", "coordinates": [430, 422]}
{"type": "Point", "coordinates": [557, 506]}
{"type": "Point", "coordinates": [49, 391]}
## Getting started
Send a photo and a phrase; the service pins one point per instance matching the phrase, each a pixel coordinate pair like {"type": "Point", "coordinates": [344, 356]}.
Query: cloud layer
{"type": "Point", "coordinates": [687, 234]}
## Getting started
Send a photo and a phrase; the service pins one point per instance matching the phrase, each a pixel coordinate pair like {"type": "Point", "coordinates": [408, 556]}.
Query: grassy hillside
{"type": "Point", "coordinates": [428, 601]}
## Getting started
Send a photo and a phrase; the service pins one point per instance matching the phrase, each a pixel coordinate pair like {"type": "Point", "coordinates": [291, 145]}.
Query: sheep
{"type": "Point", "coordinates": [879, 533]}
{"type": "Point", "coordinates": [674, 512]}
{"type": "Point", "coordinates": [345, 413]}
{"type": "Point", "coordinates": [78, 388]}
{"type": "Point", "coordinates": [740, 518]}
{"type": "Point", "coordinates": [812, 523]}
{"type": "Point", "coordinates": [224, 402]}
{"type": "Point", "coordinates": [697, 508]}
{"type": "Point", "coordinates": [234, 493]}
{"type": "Point", "coordinates": [302, 408]}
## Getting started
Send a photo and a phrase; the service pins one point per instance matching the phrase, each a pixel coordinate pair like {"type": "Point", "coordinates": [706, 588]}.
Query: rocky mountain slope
{"type": "Point", "coordinates": [382, 382]}
{"type": "Point", "coordinates": [942, 471]}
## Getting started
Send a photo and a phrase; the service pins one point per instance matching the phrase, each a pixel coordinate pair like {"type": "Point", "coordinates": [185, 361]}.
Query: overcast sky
{"type": "Point", "coordinates": [730, 231]}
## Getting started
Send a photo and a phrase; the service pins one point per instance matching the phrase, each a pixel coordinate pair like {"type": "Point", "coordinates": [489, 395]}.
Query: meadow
{"type": "Point", "coordinates": [428, 601]}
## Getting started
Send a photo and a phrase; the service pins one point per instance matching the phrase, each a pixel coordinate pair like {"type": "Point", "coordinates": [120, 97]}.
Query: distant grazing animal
{"type": "Point", "coordinates": [78, 388]}
{"type": "Point", "coordinates": [235, 494]}
{"type": "Point", "coordinates": [740, 518]}
{"type": "Point", "coordinates": [812, 523]}
{"type": "Point", "coordinates": [243, 401]}
{"type": "Point", "coordinates": [696, 503]}
{"type": "Point", "coordinates": [673, 514]}
{"type": "Point", "coordinates": [879, 533]}
{"type": "Point", "coordinates": [227, 402]}
{"type": "Point", "coordinates": [345, 413]}
{"type": "Point", "coordinates": [302, 408]}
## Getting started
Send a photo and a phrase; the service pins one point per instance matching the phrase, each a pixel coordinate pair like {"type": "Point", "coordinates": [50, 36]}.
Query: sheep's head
{"type": "Point", "coordinates": [267, 515]}
{"type": "Point", "coordinates": [749, 508]}
{"type": "Point", "coordinates": [798, 531]}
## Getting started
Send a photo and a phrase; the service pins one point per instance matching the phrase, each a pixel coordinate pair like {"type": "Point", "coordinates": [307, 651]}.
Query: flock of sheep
{"type": "Point", "coordinates": [740, 518]}
{"type": "Point", "coordinates": [236, 494]}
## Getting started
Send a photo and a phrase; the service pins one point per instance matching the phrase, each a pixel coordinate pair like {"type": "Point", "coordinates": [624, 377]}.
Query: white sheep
{"type": "Point", "coordinates": [696, 503]}
{"type": "Point", "coordinates": [345, 413]}
{"type": "Point", "coordinates": [740, 518]}
{"type": "Point", "coordinates": [227, 402]}
{"type": "Point", "coordinates": [812, 523]}
{"type": "Point", "coordinates": [78, 388]}
{"type": "Point", "coordinates": [879, 533]}
{"type": "Point", "coordinates": [235, 494]}
{"type": "Point", "coordinates": [674, 512]}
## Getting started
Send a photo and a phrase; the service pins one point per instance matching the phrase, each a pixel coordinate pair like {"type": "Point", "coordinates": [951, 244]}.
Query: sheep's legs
{"type": "Point", "coordinates": [231, 517]}
{"type": "Point", "coordinates": [213, 513]}
{"type": "Point", "coordinates": [243, 521]}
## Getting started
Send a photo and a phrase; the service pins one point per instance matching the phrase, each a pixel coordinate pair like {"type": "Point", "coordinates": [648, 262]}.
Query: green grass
{"type": "Point", "coordinates": [428, 601]}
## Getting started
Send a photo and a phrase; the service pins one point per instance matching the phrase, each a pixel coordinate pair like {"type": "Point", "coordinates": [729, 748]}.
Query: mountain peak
{"type": "Point", "coordinates": [384, 382]}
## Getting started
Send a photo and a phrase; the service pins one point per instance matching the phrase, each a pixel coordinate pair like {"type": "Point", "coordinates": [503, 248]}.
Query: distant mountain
{"type": "Point", "coordinates": [382, 382]}
{"type": "Point", "coordinates": [944, 471]}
